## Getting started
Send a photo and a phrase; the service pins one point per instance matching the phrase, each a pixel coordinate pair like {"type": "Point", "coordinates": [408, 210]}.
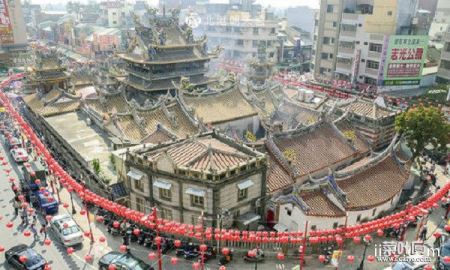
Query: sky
{"type": "Point", "coordinates": [273, 3]}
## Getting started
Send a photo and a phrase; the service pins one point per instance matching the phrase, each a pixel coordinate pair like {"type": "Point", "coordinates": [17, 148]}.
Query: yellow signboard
{"type": "Point", "coordinates": [2, 109]}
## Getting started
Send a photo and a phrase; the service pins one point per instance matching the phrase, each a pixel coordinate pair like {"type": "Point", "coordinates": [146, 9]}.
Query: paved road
{"type": "Point", "coordinates": [58, 258]}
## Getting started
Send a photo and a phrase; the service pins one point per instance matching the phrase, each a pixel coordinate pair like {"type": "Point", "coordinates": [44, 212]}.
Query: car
{"type": "Point", "coordinates": [19, 155]}
{"type": "Point", "coordinates": [444, 251]}
{"type": "Point", "coordinates": [34, 260]}
{"type": "Point", "coordinates": [122, 261]}
{"type": "Point", "coordinates": [13, 142]}
{"type": "Point", "coordinates": [44, 200]}
{"type": "Point", "coordinates": [67, 230]}
{"type": "Point", "coordinates": [413, 262]}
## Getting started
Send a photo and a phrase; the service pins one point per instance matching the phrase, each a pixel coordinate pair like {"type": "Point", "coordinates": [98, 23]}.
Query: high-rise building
{"type": "Point", "coordinates": [441, 20]}
{"type": "Point", "coordinates": [443, 75]}
{"type": "Point", "coordinates": [374, 42]}
{"type": "Point", "coordinates": [13, 37]}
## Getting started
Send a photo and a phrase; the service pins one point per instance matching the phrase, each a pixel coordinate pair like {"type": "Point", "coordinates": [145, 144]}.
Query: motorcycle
{"type": "Point", "coordinates": [225, 259]}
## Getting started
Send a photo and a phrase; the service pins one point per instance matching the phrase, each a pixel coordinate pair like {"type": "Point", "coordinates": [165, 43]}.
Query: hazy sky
{"type": "Point", "coordinates": [274, 3]}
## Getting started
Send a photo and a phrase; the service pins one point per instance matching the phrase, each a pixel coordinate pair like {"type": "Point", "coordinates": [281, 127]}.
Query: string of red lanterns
{"type": "Point", "coordinates": [259, 237]}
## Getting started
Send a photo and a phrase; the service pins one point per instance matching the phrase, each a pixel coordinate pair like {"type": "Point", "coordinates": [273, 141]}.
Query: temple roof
{"type": "Point", "coordinates": [374, 185]}
{"type": "Point", "coordinates": [160, 135]}
{"type": "Point", "coordinates": [221, 107]}
{"type": "Point", "coordinates": [319, 204]}
{"type": "Point", "coordinates": [367, 109]}
{"type": "Point", "coordinates": [202, 154]}
{"type": "Point", "coordinates": [277, 177]}
{"type": "Point", "coordinates": [52, 103]}
{"type": "Point", "coordinates": [294, 115]}
{"type": "Point", "coordinates": [317, 147]}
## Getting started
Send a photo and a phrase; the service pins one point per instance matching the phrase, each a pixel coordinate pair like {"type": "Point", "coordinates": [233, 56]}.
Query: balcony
{"type": "Point", "coordinates": [444, 73]}
{"type": "Point", "coordinates": [346, 50]}
{"type": "Point", "coordinates": [445, 55]}
{"type": "Point", "coordinates": [348, 33]}
{"type": "Point", "coordinates": [375, 55]}
{"type": "Point", "coordinates": [371, 71]}
{"type": "Point", "coordinates": [344, 66]}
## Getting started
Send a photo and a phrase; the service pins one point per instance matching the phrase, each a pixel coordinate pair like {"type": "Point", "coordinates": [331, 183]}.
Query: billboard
{"type": "Point", "coordinates": [6, 31]}
{"type": "Point", "coordinates": [405, 58]}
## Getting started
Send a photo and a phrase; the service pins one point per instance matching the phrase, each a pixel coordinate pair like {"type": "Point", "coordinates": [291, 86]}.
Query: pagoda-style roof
{"type": "Point", "coordinates": [221, 107]}
{"type": "Point", "coordinates": [54, 102]}
{"type": "Point", "coordinates": [366, 108]}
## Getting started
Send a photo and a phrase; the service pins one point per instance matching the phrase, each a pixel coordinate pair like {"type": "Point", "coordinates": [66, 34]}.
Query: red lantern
{"type": "Point", "coordinates": [428, 267]}
{"type": "Point", "coordinates": [322, 258]}
{"type": "Point", "coordinates": [102, 239]}
{"type": "Point", "coordinates": [100, 219]}
{"type": "Point", "coordinates": [23, 259]}
{"type": "Point", "coordinates": [222, 267]}
{"type": "Point", "coordinates": [83, 212]}
{"type": "Point", "coordinates": [9, 225]}
{"type": "Point", "coordinates": [2, 248]}
{"type": "Point", "coordinates": [112, 267]}
{"type": "Point", "coordinates": [123, 248]}
{"type": "Point", "coordinates": [371, 258]}
{"type": "Point", "coordinates": [88, 258]}
{"type": "Point", "coordinates": [225, 251]}
{"type": "Point", "coordinates": [177, 243]}
{"type": "Point", "coordinates": [437, 235]}
{"type": "Point", "coordinates": [70, 250]}
{"type": "Point", "coordinates": [280, 256]}
{"type": "Point", "coordinates": [116, 224]}
{"type": "Point", "coordinates": [380, 232]}
{"type": "Point", "coordinates": [158, 240]}
{"type": "Point", "coordinates": [357, 240]}
{"type": "Point", "coordinates": [37, 182]}
{"type": "Point", "coordinates": [66, 205]}
{"type": "Point", "coordinates": [203, 247]}
{"type": "Point", "coordinates": [87, 234]}
{"type": "Point", "coordinates": [367, 238]}
{"type": "Point", "coordinates": [447, 228]}
{"type": "Point", "coordinates": [350, 259]}
{"type": "Point", "coordinates": [47, 242]}
{"type": "Point", "coordinates": [65, 225]}
{"type": "Point", "coordinates": [196, 266]}
{"type": "Point", "coordinates": [47, 267]}
{"type": "Point", "coordinates": [446, 259]}
{"type": "Point", "coordinates": [151, 256]}
{"type": "Point", "coordinates": [174, 260]}
{"type": "Point", "coordinates": [27, 233]}
{"type": "Point", "coordinates": [136, 231]}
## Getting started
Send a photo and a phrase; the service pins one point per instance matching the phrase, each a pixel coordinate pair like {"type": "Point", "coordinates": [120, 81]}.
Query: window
{"type": "Point", "coordinates": [374, 212]}
{"type": "Point", "coordinates": [326, 40]}
{"type": "Point", "coordinates": [255, 43]}
{"type": "Point", "coordinates": [322, 70]}
{"type": "Point", "coordinates": [272, 30]}
{"type": "Point", "coordinates": [365, 43]}
{"type": "Point", "coordinates": [240, 42]}
{"type": "Point", "coordinates": [372, 64]}
{"type": "Point", "coordinates": [255, 31]}
{"type": "Point", "coordinates": [334, 24]}
{"type": "Point", "coordinates": [324, 55]}
{"type": "Point", "coordinates": [165, 194]}
{"type": "Point", "coordinates": [316, 22]}
{"type": "Point", "coordinates": [389, 13]}
{"type": "Point", "coordinates": [197, 201]}
{"type": "Point", "coordinates": [114, 22]}
{"type": "Point", "coordinates": [358, 218]}
{"type": "Point", "coordinates": [242, 194]}
{"type": "Point", "coordinates": [140, 205]}
{"type": "Point", "coordinates": [330, 8]}
{"type": "Point", "coordinates": [374, 47]}
{"type": "Point", "coordinates": [313, 227]}
{"type": "Point", "coordinates": [166, 214]}
{"type": "Point", "coordinates": [335, 225]}
{"type": "Point", "coordinates": [331, 56]}
{"type": "Point", "coordinates": [114, 13]}
{"type": "Point", "coordinates": [139, 185]}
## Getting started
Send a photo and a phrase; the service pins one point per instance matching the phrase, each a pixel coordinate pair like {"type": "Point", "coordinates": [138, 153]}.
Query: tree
{"type": "Point", "coordinates": [421, 126]}
{"type": "Point", "coordinates": [96, 166]}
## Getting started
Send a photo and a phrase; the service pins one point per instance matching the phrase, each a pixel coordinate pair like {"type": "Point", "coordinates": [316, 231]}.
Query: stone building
{"type": "Point", "coordinates": [205, 174]}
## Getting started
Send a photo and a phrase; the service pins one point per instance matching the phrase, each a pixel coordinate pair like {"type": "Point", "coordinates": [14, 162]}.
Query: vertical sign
{"type": "Point", "coordinates": [6, 31]}
{"type": "Point", "coordinates": [355, 70]}
{"type": "Point", "coordinates": [405, 59]}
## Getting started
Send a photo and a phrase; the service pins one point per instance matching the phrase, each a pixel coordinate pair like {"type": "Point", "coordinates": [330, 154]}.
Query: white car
{"type": "Point", "coordinates": [19, 155]}
{"type": "Point", "coordinates": [66, 230]}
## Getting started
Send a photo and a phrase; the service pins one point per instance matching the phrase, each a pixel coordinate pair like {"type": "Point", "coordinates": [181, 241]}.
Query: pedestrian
{"type": "Point", "coordinates": [33, 229]}
{"type": "Point", "coordinates": [423, 233]}
{"type": "Point", "coordinates": [16, 205]}
{"type": "Point", "coordinates": [43, 229]}
{"type": "Point", "coordinates": [24, 217]}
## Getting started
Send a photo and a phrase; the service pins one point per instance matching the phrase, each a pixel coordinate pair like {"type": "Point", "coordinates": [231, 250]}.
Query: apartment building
{"type": "Point", "coordinates": [370, 42]}
{"type": "Point", "coordinates": [240, 33]}
{"type": "Point", "coordinates": [443, 75]}
{"type": "Point", "coordinates": [441, 20]}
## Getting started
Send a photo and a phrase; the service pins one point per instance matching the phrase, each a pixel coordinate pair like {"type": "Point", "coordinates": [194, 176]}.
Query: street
{"type": "Point", "coordinates": [57, 256]}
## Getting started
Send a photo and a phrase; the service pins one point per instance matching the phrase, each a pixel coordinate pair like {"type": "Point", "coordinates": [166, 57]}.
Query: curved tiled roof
{"type": "Point", "coordinates": [375, 185]}
{"type": "Point", "coordinates": [277, 177]}
{"type": "Point", "coordinates": [221, 107]}
{"type": "Point", "coordinates": [320, 205]}
{"type": "Point", "coordinates": [38, 106]}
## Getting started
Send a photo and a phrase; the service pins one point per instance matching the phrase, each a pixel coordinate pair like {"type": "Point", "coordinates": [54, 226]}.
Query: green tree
{"type": "Point", "coordinates": [96, 166]}
{"type": "Point", "coordinates": [421, 126]}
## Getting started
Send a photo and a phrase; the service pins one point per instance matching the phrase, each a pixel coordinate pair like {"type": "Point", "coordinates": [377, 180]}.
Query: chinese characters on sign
{"type": "Point", "coordinates": [405, 59]}
{"type": "Point", "coordinates": [6, 34]}
{"type": "Point", "coordinates": [393, 251]}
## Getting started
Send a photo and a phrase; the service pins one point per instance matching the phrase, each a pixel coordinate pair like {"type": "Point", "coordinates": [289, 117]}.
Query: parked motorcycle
{"type": "Point", "coordinates": [225, 259]}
